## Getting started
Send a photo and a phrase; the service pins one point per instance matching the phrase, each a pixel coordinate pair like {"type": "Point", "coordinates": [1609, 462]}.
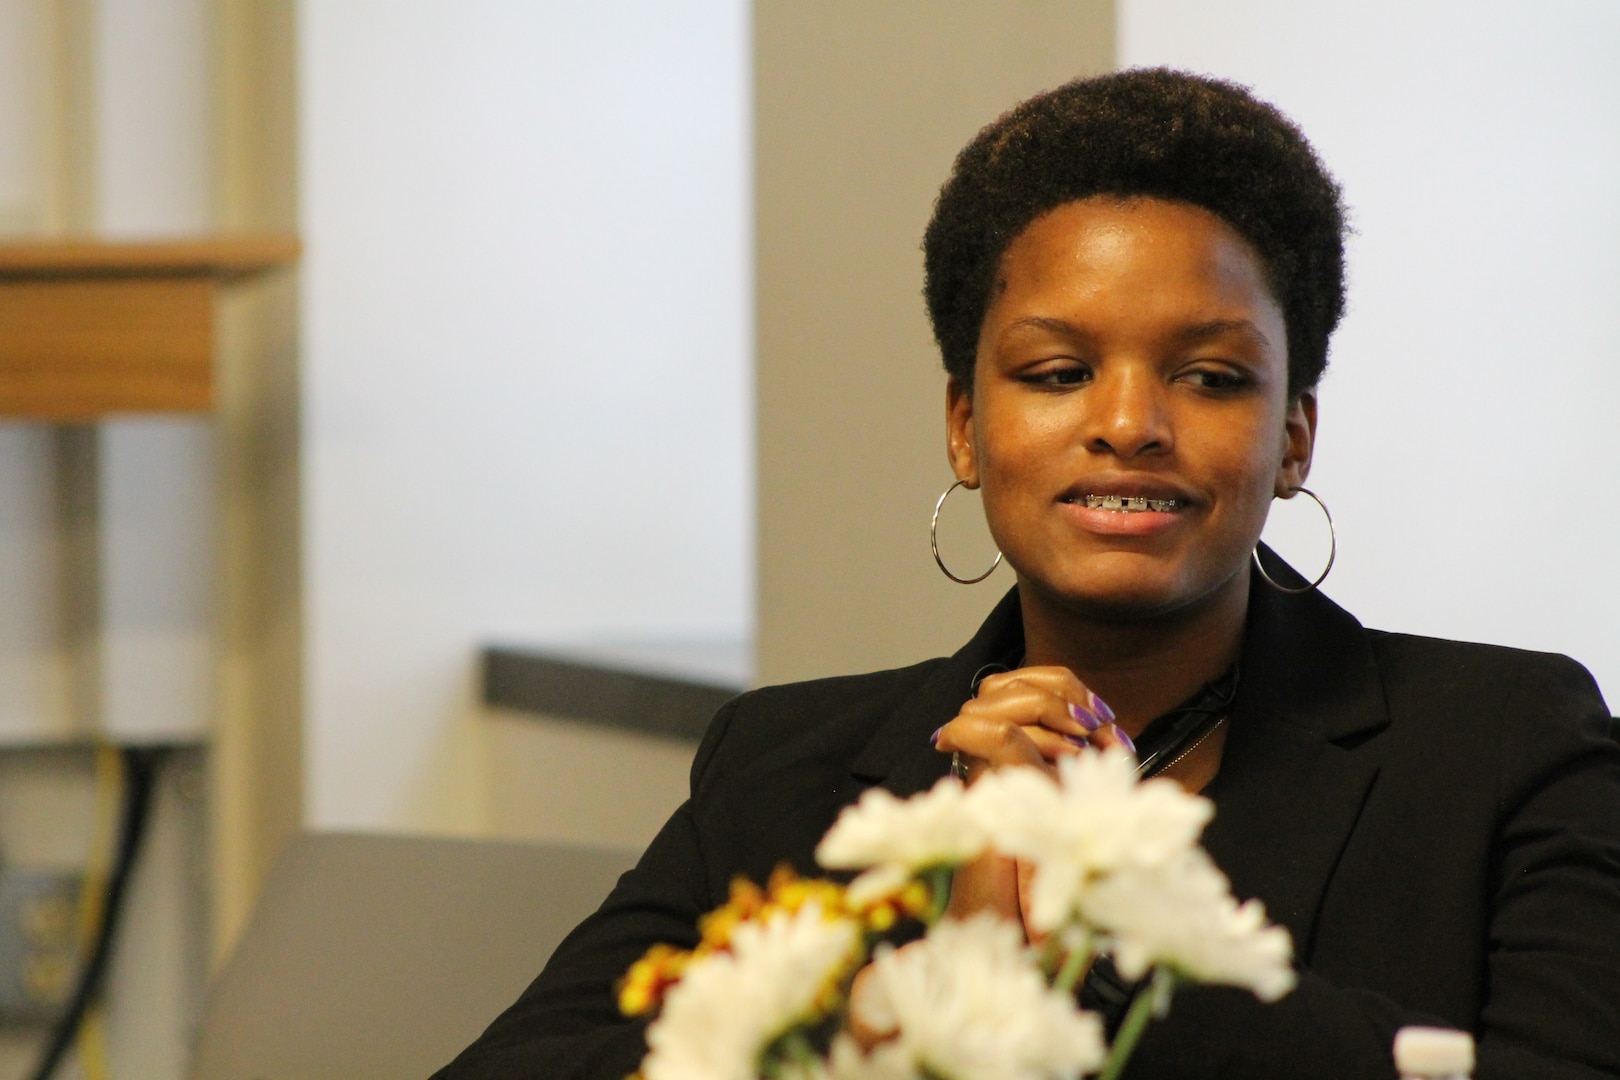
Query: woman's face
{"type": "Point", "coordinates": [1132, 351]}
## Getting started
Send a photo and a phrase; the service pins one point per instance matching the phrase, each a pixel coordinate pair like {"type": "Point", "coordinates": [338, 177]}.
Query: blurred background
{"type": "Point", "coordinates": [606, 347]}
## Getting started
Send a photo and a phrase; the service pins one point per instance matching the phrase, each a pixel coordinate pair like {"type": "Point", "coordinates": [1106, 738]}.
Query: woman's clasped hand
{"type": "Point", "coordinates": [1029, 717]}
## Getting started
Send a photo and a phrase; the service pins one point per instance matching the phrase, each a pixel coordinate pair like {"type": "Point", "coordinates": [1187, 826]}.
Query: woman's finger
{"type": "Point", "coordinates": [990, 743]}
{"type": "Point", "coordinates": [1032, 716]}
{"type": "Point", "coordinates": [1057, 680]}
{"type": "Point", "coordinates": [1111, 735]}
{"type": "Point", "coordinates": [1078, 701]}
{"type": "Point", "coordinates": [865, 1035]}
{"type": "Point", "coordinates": [1030, 704]}
{"type": "Point", "coordinates": [993, 742]}
{"type": "Point", "coordinates": [1054, 698]}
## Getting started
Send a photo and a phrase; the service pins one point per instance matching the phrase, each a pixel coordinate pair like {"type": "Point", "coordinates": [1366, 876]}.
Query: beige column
{"type": "Point", "coordinates": [859, 110]}
{"type": "Point", "coordinates": [257, 746]}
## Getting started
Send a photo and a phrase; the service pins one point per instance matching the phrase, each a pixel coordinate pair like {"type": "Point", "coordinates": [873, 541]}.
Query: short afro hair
{"type": "Point", "coordinates": [1148, 132]}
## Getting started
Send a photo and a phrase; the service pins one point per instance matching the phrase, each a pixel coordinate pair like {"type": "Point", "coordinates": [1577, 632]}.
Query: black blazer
{"type": "Point", "coordinates": [1436, 823]}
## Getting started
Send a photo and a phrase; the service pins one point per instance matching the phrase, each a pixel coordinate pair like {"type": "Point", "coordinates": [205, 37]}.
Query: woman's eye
{"type": "Point", "coordinates": [1216, 379]}
{"type": "Point", "coordinates": [1058, 375]}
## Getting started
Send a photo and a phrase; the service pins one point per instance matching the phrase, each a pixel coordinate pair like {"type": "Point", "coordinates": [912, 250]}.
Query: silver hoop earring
{"type": "Point", "coordinates": [1333, 551]}
{"type": "Point", "coordinates": [933, 542]}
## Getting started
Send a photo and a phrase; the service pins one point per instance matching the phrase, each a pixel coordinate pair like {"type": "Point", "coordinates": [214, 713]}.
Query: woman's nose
{"type": "Point", "coordinates": [1127, 415]}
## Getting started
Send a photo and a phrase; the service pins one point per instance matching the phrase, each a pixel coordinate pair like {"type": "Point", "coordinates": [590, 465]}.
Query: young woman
{"type": "Point", "coordinates": [1133, 280]}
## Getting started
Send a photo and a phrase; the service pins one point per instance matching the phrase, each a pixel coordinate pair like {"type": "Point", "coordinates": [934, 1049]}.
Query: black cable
{"type": "Point", "coordinates": [141, 765]}
{"type": "Point", "coordinates": [1160, 743]}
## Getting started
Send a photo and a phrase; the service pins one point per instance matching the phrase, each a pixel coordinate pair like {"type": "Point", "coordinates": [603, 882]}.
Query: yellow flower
{"type": "Point", "coordinates": [643, 986]}
{"type": "Point", "coordinates": [911, 901]}
{"type": "Point", "coordinates": [747, 903]}
{"type": "Point", "coordinates": [789, 892]}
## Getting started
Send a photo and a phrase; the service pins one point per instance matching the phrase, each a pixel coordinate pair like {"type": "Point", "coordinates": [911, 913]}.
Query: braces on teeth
{"type": "Point", "coordinates": [1130, 504]}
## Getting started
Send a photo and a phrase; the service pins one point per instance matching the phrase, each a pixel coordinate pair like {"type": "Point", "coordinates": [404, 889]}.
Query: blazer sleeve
{"type": "Point", "coordinates": [1553, 958]}
{"type": "Point", "coordinates": [567, 1024]}
{"type": "Point", "coordinates": [1551, 1003]}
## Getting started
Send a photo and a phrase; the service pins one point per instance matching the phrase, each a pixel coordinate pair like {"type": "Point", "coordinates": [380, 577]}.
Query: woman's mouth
{"type": "Point", "coordinates": [1126, 513]}
{"type": "Point", "coordinates": [1129, 504]}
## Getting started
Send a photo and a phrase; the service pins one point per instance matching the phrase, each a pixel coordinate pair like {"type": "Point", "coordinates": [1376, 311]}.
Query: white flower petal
{"type": "Point", "coordinates": [729, 1006]}
{"type": "Point", "coordinates": [1182, 915]}
{"type": "Point", "coordinates": [876, 885]}
{"type": "Point", "coordinates": [934, 828]}
{"type": "Point", "coordinates": [1096, 819]}
{"type": "Point", "coordinates": [968, 1002]}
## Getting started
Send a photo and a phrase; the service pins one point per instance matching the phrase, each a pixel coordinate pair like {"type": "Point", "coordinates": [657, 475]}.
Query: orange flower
{"type": "Point", "coordinates": [790, 892]}
{"type": "Point", "coordinates": [643, 987]}
{"type": "Point", "coordinates": [913, 901]}
{"type": "Point", "coordinates": [747, 903]}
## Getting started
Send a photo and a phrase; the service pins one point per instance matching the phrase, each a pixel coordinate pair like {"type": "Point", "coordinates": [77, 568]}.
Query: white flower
{"type": "Point", "coordinates": [969, 1003]}
{"type": "Point", "coordinates": [729, 1006]}
{"type": "Point", "coordinates": [876, 885]}
{"type": "Point", "coordinates": [935, 828]}
{"type": "Point", "coordinates": [1182, 915]}
{"type": "Point", "coordinates": [1096, 820]}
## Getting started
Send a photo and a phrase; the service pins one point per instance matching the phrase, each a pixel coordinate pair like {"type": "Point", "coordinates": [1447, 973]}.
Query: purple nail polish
{"type": "Point", "coordinates": [1079, 740]}
{"type": "Point", "coordinates": [1125, 740]}
{"type": "Point", "coordinates": [933, 740]}
{"type": "Point", "coordinates": [1085, 717]}
{"type": "Point", "coordinates": [1100, 707]}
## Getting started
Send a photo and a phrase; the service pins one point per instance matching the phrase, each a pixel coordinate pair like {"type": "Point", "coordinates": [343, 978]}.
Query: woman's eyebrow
{"type": "Point", "coordinates": [1190, 334]}
{"type": "Point", "coordinates": [1214, 328]}
{"type": "Point", "coordinates": [1047, 323]}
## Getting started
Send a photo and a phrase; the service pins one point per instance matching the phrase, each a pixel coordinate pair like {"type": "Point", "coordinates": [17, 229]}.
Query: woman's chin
{"type": "Point", "coordinates": [1131, 590]}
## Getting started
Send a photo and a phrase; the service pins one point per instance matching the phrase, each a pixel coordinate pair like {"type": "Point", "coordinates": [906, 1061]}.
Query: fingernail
{"type": "Point", "coordinates": [1085, 717]}
{"type": "Point", "coordinates": [1079, 740]}
{"type": "Point", "coordinates": [933, 740]}
{"type": "Point", "coordinates": [1100, 707]}
{"type": "Point", "coordinates": [1124, 739]}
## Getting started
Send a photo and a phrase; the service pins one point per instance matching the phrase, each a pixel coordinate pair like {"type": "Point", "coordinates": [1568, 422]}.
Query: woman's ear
{"type": "Point", "coordinates": [1299, 434]}
{"type": "Point", "coordinates": [959, 440]}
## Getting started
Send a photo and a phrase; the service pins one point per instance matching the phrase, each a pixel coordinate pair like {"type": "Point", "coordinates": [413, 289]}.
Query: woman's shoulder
{"type": "Point", "coordinates": [1431, 666]}
{"type": "Point", "coordinates": [1527, 714]}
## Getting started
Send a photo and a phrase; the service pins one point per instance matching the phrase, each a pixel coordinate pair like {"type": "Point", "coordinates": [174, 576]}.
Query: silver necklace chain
{"type": "Point", "coordinates": [1196, 743]}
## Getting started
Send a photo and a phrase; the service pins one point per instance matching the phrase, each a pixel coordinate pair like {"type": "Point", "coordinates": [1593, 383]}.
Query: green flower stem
{"type": "Point", "coordinates": [792, 1056]}
{"type": "Point", "coordinates": [1074, 966]}
{"type": "Point", "coordinates": [1051, 957]}
{"type": "Point", "coordinates": [1150, 1002]}
{"type": "Point", "coordinates": [939, 891]}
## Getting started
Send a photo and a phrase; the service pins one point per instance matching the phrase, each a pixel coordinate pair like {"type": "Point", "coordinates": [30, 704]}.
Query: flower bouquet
{"type": "Point", "coordinates": [1117, 871]}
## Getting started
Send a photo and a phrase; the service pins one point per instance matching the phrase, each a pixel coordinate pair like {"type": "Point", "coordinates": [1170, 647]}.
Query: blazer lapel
{"type": "Point", "coordinates": [1300, 757]}
{"type": "Point", "coordinates": [899, 755]}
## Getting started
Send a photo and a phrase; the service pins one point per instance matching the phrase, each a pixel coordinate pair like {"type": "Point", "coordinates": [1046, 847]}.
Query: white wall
{"type": "Point", "coordinates": [526, 389]}
{"type": "Point", "coordinates": [1468, 444]}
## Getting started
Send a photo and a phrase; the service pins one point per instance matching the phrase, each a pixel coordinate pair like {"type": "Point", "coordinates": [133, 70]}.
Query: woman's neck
{"type": "Point", "coordinates": [1142, 667]}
